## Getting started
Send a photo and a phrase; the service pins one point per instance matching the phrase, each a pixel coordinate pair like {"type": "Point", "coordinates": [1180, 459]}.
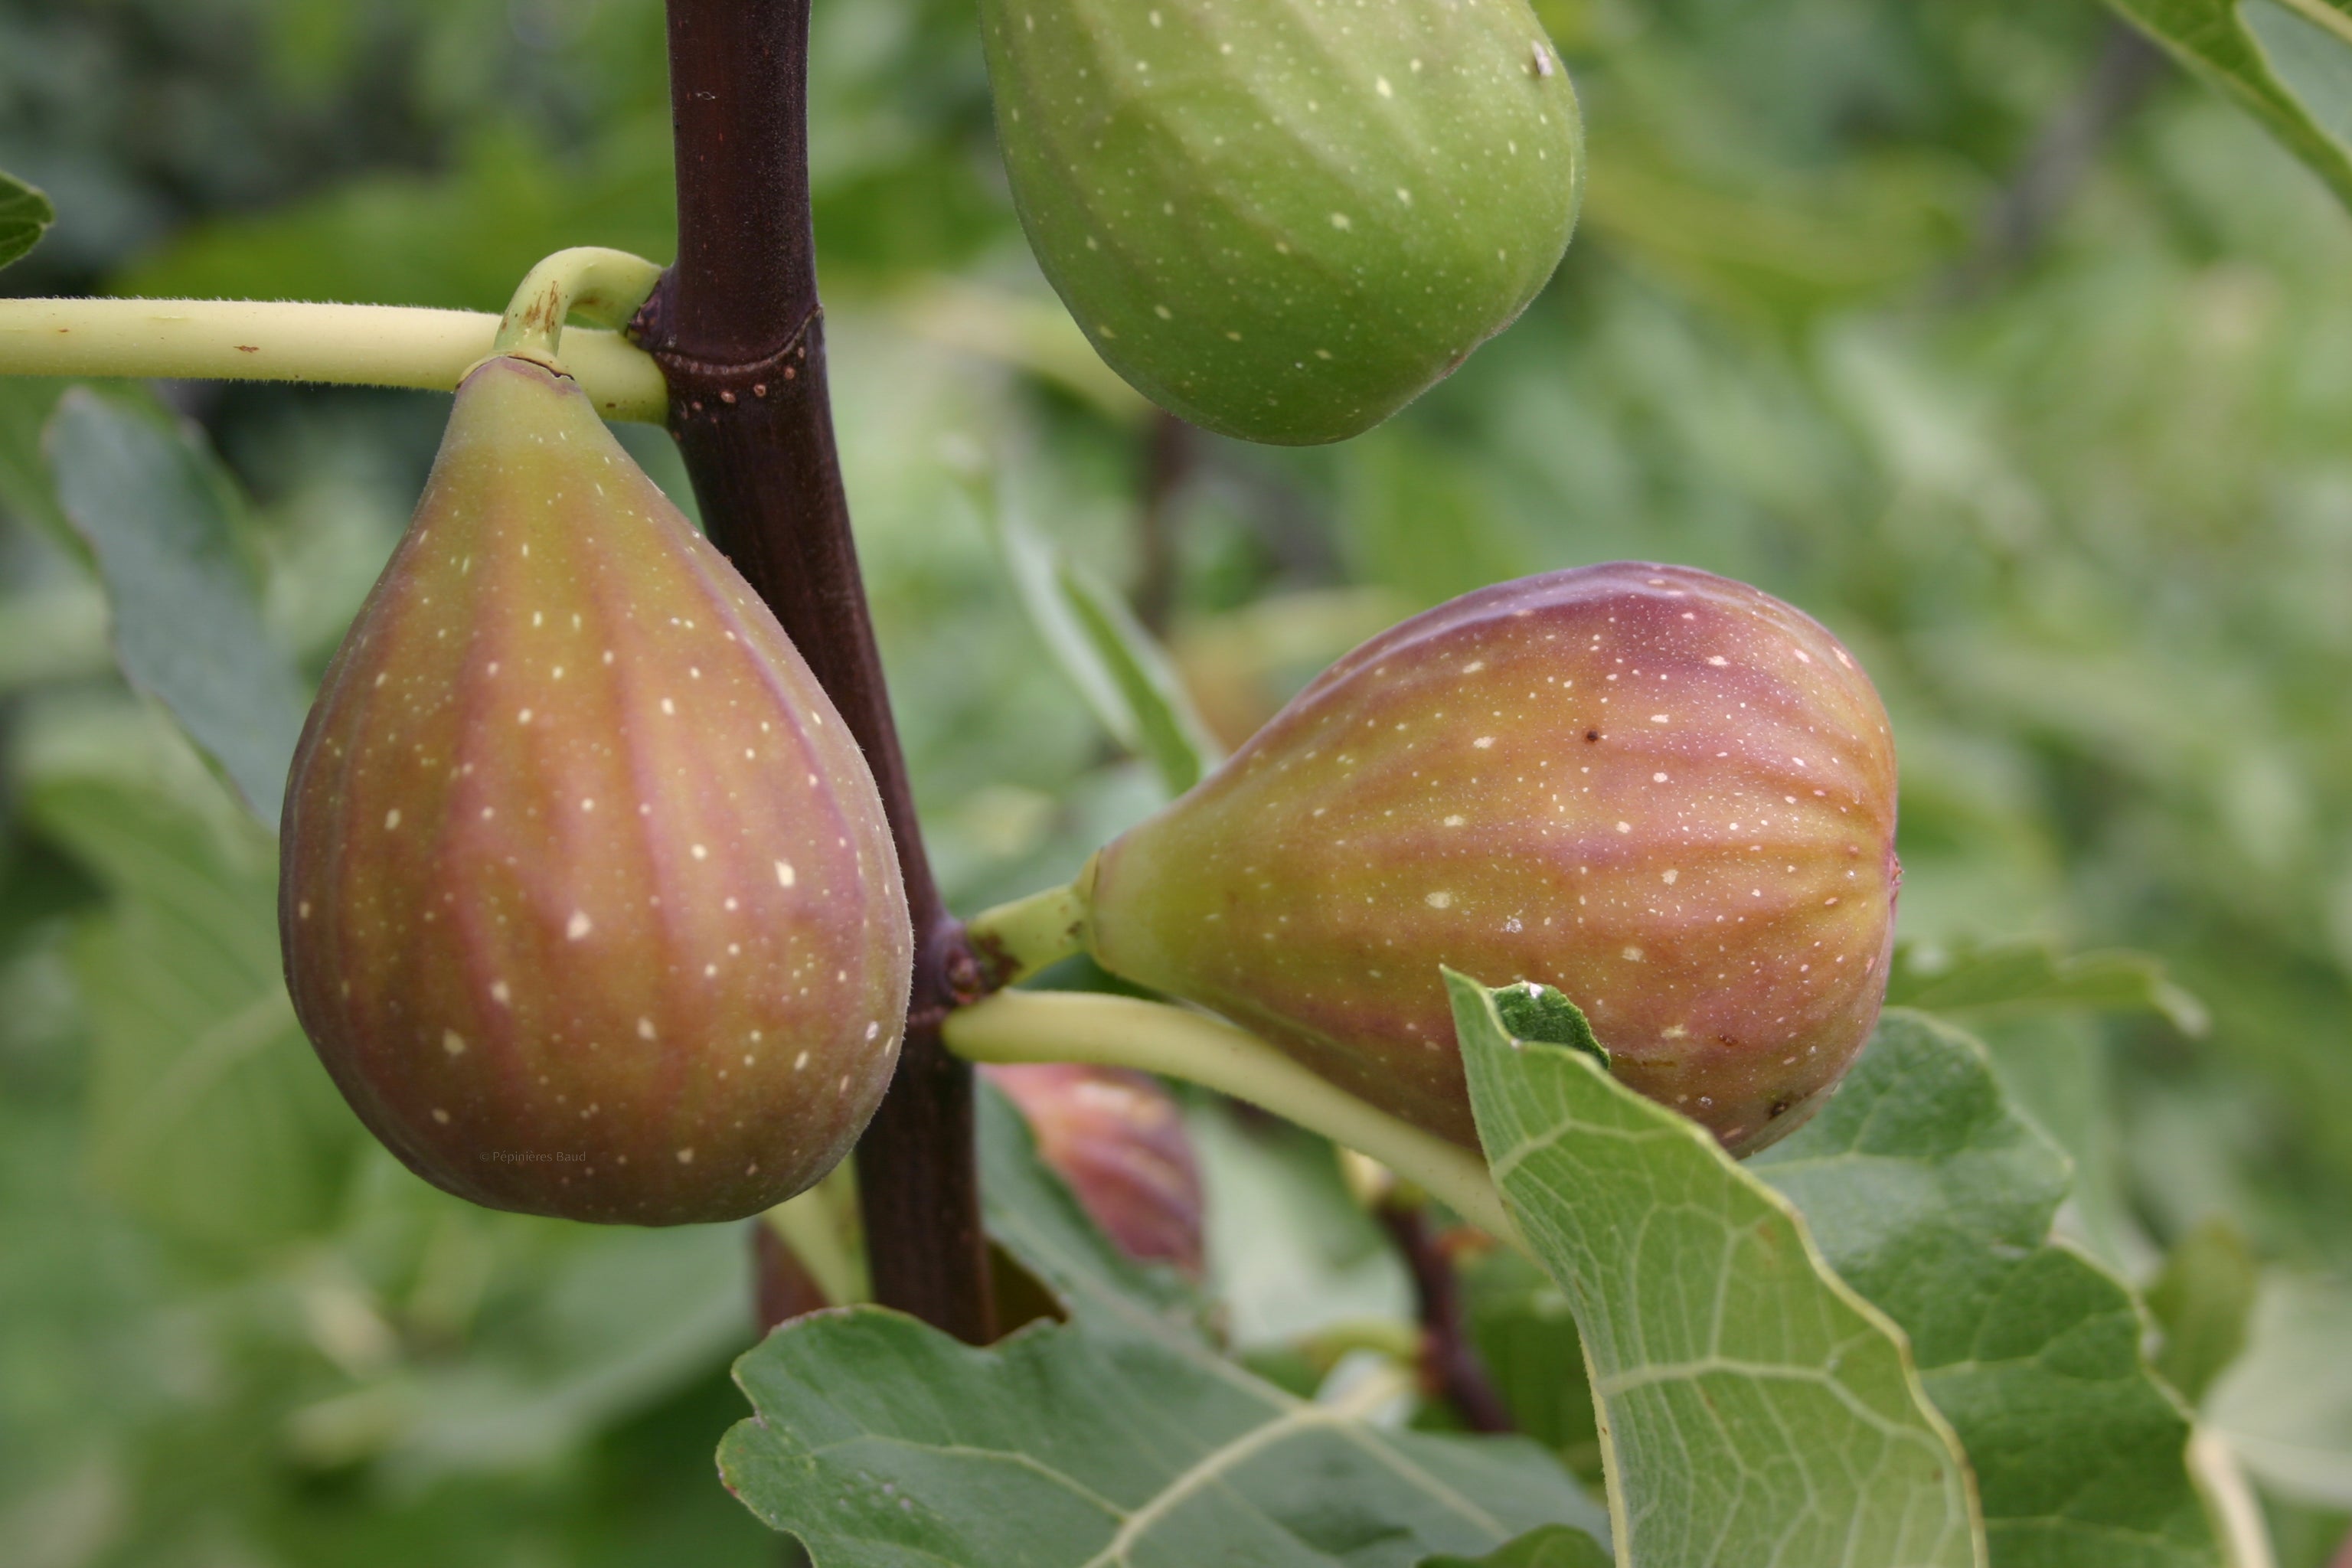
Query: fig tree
{"type": "Point", "coordinates": [1668, 794]}
{"type": "Point", "coordinates": [588, 900]}
{"type": "Point", "coordinates": [1284, 221]}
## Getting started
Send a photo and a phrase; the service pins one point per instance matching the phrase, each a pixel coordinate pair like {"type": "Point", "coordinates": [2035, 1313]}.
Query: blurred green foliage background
{"type": "Point", "coordinates": [1973, 329]}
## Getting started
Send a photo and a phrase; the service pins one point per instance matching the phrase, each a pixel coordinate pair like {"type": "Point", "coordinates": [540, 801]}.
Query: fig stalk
{"type": "Point", "coordinates": [604, 288]}
{"type": "Point", "coordinates": [1016, 940]}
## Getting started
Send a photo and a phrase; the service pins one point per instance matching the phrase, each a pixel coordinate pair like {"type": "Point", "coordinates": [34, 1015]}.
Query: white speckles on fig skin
{"type": "Point", "coordinates": [1285, 220]}
{"type": "Point", "coordinates": [540, 809]}
{"type": "Point", "coordinates": [1667, 793]}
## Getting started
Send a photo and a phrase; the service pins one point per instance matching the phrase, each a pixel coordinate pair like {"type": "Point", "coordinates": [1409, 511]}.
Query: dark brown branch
{"type": "Point", "coordinates": [1451, 1367]}
{"type": "Point", "coordinates": [1168, 457]}
{"type": "Point", "coordinates": [738, 331]}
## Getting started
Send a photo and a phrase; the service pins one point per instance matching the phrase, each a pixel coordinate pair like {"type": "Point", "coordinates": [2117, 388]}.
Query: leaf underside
{"type": "Point", "coordinates": [156, 512]}
{"type": "Point", "coordinates": [1757, 1410]}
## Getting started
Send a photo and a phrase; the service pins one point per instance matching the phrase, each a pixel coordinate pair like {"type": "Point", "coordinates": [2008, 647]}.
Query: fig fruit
{"type": "Point", "coordinates": [1118, 1138]}
{"type": "Point", "coordinates": [1668, 794]}
{"type": "Point", "coordinates": [1284, 221]}
{"type": "Point", "coordinates": [587, 898]}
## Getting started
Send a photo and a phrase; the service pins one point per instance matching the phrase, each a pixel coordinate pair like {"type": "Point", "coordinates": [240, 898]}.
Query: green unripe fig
{"type": "Point", "coordinates": [1285, 220]}
{"type": "Point", "coordinates": [587, 899]}
{"type": "Point", "coordinates": [1668, 794]}
{"type": "Point", "coordinates": [1118, 1138]}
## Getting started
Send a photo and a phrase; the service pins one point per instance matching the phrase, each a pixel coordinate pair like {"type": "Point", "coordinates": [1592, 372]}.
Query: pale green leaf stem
{"type": "Point", "coordinates": [1122, 1031]}
{"type": "Point", "coordinates": [273, 339]}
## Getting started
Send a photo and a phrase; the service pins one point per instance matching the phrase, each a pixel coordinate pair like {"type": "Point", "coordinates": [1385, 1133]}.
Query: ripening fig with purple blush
{"type": "Point", "coordinates": [1118, 1138]}
{"type": "Point", "coordinates": [587, 898]}
{"type": "Point", "coordinates": [1666, 793]}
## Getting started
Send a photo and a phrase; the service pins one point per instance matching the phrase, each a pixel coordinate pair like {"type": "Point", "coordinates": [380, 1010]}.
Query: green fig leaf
{"type": "Point", "coordinates": [623, 1317]}
{"type": "Point", "coordinates": [2286, 62]}
{"type": "Point", "coordinates": [1018, 328]}
{"type": "Point", "coordinates": [1553, 1546]}
{"type": "Point", "coordinates": [53, 618]}
{"type": "Point", "coordinates": [2204, 1301]}
{"type": "Point", "coordinates": [1174, 740]}
{"type": "Point", "coordinates": [25, 214]}
{"type": "Point", "coordinates": [1425, 520]}
{"type": "Point", "coordinates": [2285, 1407]}
{"type": "Point", "coordinates": [2029, 974]}
{"type": "Point", "coordinates": [1292, 1249]}
{"type": "Point", "coordinates": [26, 494]}
{"type": "Point", "coordinates": [1125, 676]}
{"type": "Point", "coordinates": [1756, 1409]}
{"type": "Point", "coordinates": [1520, 1322]}
{"type": "Point", "coordinates": [1534, 1012]}
{"type": "Point", "coordinates": [1934, 1199]}
{"type": "Point", "coordinates": [1120, 1436]}
{"type": "Point", "coordinates": [156, 510]}
{"type": "Point", "coordinates": [210, 1119]}
{"type": "Point", "coordinates": [455, 239]}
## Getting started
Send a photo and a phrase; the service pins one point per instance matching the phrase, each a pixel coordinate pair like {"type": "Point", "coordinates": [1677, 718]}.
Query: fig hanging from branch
{"type": "Point", "coordinates": [1284, 221]}
{"type": "Point", "coordinates": [1667, 795]}
{"type": "Point", "coordinates": [588, 902]}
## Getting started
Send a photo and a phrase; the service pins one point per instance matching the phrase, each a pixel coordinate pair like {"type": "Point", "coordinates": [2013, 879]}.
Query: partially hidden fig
{"type": "Point", "coordinates": [588, 902]}
{"type": "Point", "coordinates": [1285, 220]}
{"type": "Point", "coordinates": [1666, 793]}
{"type": "Point", "coordinates": [1118, 1138]}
